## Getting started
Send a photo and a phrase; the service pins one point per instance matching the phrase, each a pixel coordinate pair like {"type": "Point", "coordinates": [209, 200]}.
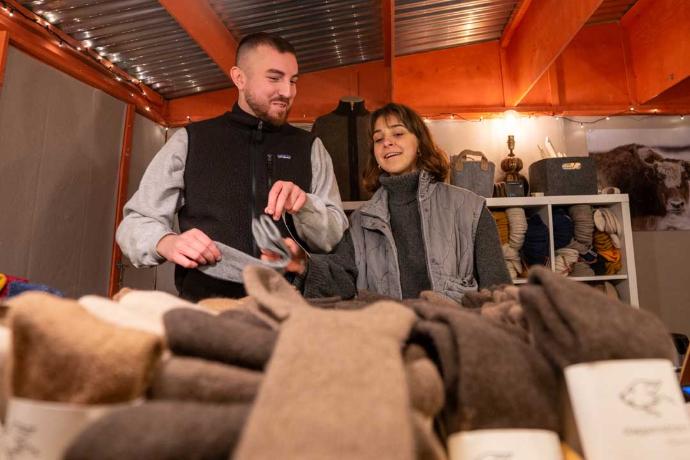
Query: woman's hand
{"type": "Point", "coordinates": [298, 262]}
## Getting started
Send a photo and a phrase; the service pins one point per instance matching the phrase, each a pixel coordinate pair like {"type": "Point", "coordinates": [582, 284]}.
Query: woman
{"type": "Point", "coordinates": [416, 233]}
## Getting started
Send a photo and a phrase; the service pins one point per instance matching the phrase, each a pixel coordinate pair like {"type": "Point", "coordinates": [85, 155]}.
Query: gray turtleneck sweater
{"type": "Point", "coordinates": [335, 274]}
{"type": "Point", "coordinates": [406, 227]}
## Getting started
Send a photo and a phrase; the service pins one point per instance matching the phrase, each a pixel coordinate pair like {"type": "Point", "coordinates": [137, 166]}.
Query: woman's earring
{"type": "Point", "coordinates": [379, 166]}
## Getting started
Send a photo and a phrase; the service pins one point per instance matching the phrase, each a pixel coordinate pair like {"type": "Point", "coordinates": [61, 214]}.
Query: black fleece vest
{"type": "Point", "coordinates": [232, 162]}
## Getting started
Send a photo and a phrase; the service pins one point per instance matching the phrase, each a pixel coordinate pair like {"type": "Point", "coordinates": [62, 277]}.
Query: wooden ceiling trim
{"type": "Point", "coordinates": [202, 23]}
{"type": "Point", "coordinates": [655, 32]}
{"type": "Point", "coordinates": [546, 28]}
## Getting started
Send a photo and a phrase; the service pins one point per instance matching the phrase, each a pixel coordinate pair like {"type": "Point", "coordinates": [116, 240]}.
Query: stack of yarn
{"type": "Point", "coordinates": [607, 242]}
{"type": "Point", "coordinates": [536, 246]}
{"type": "Point", "coordinates": [502, 225]}
{"type": "Point", "coordinates": [563, 233]}
{"type": "Point", "coordinates": [583, 228]}
{"type": "Point", "coordinates": [512, 226]}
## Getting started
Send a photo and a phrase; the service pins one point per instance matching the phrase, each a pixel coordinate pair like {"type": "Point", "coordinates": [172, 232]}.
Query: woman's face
{"type": "Point", "coordinates": [395, 148]}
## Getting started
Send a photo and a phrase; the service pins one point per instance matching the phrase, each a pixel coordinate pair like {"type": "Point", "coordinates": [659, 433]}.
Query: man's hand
{"type": "Point", "coordinates": [285, 196]}
{"type": "Point", "coordinates": [297, 263]}
{"type": "Point", "coordinates": [189, 249]}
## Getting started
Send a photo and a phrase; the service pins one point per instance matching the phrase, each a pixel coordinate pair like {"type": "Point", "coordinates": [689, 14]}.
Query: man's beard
{"type": "Point", "coordinates": [262, 111]}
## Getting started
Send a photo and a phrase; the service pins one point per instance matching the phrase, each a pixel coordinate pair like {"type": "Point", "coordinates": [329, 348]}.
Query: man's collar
{"type": "Point", "coordinates": [240, 116]}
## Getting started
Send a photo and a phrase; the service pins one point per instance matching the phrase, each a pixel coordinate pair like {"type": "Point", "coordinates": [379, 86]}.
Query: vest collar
{"type": "Point", "coordinates": [237, 115]}
{"type": "Point", "coordinates": [377, 205]}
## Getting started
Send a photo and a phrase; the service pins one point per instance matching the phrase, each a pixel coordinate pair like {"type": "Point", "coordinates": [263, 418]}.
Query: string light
{"type": "Point", "coordinates": [83, 47]}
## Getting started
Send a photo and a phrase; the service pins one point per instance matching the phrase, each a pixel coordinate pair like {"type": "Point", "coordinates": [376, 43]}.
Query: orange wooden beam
{"type": "Point", "coordinates": [122, 181]}
{"type": "Point", "coordinates": [546, 28]}
{"type": "Point", "coordinates": [204, 26]}
{"type": "Point", "coordinates": [388, 28]}
{"type": "Point", "coordinates": [28, 35]}
{"type": "Point", "coordinates": [202, 106]}
{"type": "Point", "coordinates": [656, 32]}
{"type": "Point", "coordinates": [514, 22]}
{"type": "Point", "coordinates": [4, 45]}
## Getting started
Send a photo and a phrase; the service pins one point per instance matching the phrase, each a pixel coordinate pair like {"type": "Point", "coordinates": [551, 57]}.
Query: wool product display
{"type": "Point", "coordinates": [121, 315]}
{"type": "Point", "coordinates": [14, 288]}
{"type": "Point", "coordinates": [517, 223]}
{"type": "Point", "coordinates": [273, 293]}
{"type": "Point", "coordinates": [60, 352]}
{"type": "Point", "coordinates": [563, 229]}
{"type": "Point", "coordinates": [233, 261]}
{"type": "Point", "coordinates": [581, 269]}
{"type": "Point", "coordinates": [501, 220]}
{"type": "Point", "coordinates": [220, 304]}
{"type": "Point", "coordinates": [152, 300]}
{"type": "Point", "coordinates": [583, 223]}
{"type": "Point", "coordinates": [339, 394]}
{"type": "Point", "coordinates": [267, 236]}
{"type": "Point", "coordinates": [565, 258]}
{"type": "Point", "coordinates": [163, 430]}
{"type": "Point", "coordinates": [536, 246]}
{"type": "Point", "coordinates": [7, 279]}
{"type": "Point", "coordinates": [241, 314]}
{"type": "Point", "coordinates": [427, 444]}
{"type": "Point", "coordinates": [492, 378]}
{"type": "Point", "coordinates": [194, 379]}
{"type": "Point", "coordinates": [607, 251]}
{"type": "Point", "coordinates": [574, 323]}
{"type": "Point", "coordinates": [228, 340]}
{"type": "Point", "coordinates": [424, 382]}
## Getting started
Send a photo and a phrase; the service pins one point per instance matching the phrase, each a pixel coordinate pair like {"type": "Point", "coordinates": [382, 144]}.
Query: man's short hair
{"type": "Point", "coordinates": [252, 41]}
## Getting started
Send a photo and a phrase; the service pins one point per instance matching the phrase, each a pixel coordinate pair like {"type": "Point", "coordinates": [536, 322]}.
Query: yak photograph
{"type": "Point", "coordinates": [652, 167]}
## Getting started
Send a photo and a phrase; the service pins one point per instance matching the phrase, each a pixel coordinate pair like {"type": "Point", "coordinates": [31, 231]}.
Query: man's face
{"type": "Point", "coordinates": [267, 83]}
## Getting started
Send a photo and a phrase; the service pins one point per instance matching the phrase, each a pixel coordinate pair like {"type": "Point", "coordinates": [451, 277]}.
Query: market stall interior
{"type": "Point", "coordinates": [570, 119]}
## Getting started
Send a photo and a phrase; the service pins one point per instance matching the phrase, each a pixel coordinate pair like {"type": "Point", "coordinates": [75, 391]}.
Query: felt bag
{"type": "Point", "coordinates": [477, 176]}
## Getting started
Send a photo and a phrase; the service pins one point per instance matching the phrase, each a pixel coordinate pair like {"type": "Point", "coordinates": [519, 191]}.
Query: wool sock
{"type": "Point", "coordinates": [234, 261]}
{"type": "Point", "coordinates": [268, 237]}
{"type": "Point", "coordinates": [220, 304]}
{"type": "Point", "coordinates": [335, 388]}
{"type": "Point", "coordinates": [272, 291]}
{"type": "Point", "coordinates": [574, 323]}
{"type": "Point", "coordinates": [159, 300]}
{"type": "Point", "coordinates": [228, 340]}
{"type": "Point", "coordinates": [492, 378]}
{"type": "Point", "coordinates": [423, 381]}
{"type": "Point", "coordinates": [120, 315]}
{"type": "Point", "coordinates": [162, 430]}
{"type": "Point", "coordinates": [193, 379]}
{"type": "Point", "coordinates": [62, 353]}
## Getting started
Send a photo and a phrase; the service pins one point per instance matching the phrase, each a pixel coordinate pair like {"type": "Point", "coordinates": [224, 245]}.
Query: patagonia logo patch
{"type": "Point", "coordinates": [284, 156]}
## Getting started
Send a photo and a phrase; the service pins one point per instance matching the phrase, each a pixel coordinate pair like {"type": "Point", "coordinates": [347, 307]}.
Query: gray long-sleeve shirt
{"type": "Point", "coordinates": [150, 213]}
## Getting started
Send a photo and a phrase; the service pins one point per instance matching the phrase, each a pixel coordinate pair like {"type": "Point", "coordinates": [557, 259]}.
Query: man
{"type": "Point", "coordinates": [216, 175]}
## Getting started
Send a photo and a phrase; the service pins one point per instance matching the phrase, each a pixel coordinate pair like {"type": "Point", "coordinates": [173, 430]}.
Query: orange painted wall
{"type": "Point", "coordinates": [319, 92]}
{"type": "Point", "coordinates": [451, 79]}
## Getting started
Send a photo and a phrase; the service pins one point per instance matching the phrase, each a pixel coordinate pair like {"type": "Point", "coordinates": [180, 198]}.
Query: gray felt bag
{"type": "Point", "coordinates": [477, 176]}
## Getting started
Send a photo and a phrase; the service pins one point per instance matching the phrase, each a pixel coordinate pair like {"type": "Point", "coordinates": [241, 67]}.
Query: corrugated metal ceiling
{"type": "Point", "coordinates": [611, 11]}
{"type": "Point", "coordinates": [140, 37]}
{"type": "Point", "coordinates": [325, 33]}
{"type": "Point", "coordinates": [425, 25]}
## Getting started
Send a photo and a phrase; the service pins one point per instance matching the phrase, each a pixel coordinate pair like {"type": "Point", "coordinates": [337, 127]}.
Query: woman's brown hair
{"type": "Point", "coordinates": [431, 158]}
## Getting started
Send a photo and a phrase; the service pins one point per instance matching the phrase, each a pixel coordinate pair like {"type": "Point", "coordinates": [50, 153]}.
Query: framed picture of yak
{"type": "Point", "coordinates": [653, 167]}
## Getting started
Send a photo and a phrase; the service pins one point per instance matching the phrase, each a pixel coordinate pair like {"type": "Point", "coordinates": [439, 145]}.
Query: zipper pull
{"type": "Point", "coordinates": [269, 170]}
{"type": "Point", "coordinates": [259, 131]}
